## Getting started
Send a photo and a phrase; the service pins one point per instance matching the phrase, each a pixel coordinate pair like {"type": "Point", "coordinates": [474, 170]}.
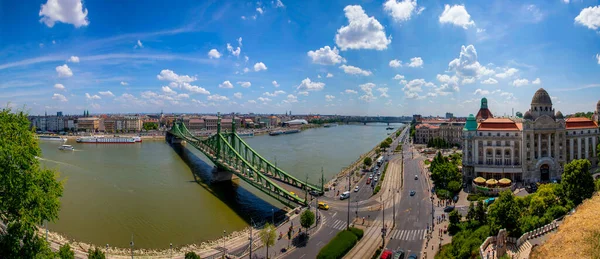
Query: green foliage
{"type": "Point", "coordinates": [398, 148]}
{"type": "Point", "coordinates": [65, 252]}
{"type": "Point", "coordinates": [480, 215]}
{"type": "Point", "coordinates": [577, 181]}
{"type": "Point", "coordinates": [471, 212]}
{"type": "Point", "coordinates": [504, 213]}
{"type": "Point", "coordinates": [583, 114]}
{"type": "Point", "coordinates": [454, 217]}
{"type": "Point", "coordinates": [384, 145]}
{"type": "Point", "coordinates": [324, 121]}
{"type": "Point", "coordinates": [438, 143]}
{"type": "Point", "coordinates": [191, 255]}
{"type": "Point", "coordinates": [476, 197]}
{"type": "Point", "coordinates": [29, 195]}
{"type": "Point", "coordinates": [267, 235]}
{"type": "Point", "coordinates": [443, 194]}
{"type": "Point", "coordinates": [465, 244]}
{"type": "Point", "coordinates": [96, 254]}
{"type": "Point", "coordinates": [150, 126]}
{"type": "Point", "coordinates": [377, 189]}
{"type": "Point", "coordinates": [338, 246]}
{"type": "Point", "coordinates": [598, 185]}
{"type": "Point", "coordinates": [357, 232]}
{"type": "Point", "coordinates": [368, 161]}
{"type": "Point", "coordinates": [307, 219]}
{"type": "Point", "coordinates": [445, 176]}
{"type": "Point", "coordinates": [454, 187]}
{"type": "Point", "coordinates": [377, 253]}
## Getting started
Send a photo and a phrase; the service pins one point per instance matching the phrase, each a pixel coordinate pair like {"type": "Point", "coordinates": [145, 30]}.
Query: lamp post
{"type": "Point", "coordinates": [383, 230]}
{"type": "Point", "coordinates": [106, 249]}
{"type": "Point", "coordinates": [131, 245]}
{"type": "Point", "coordinates": [171, 249]}
{"type": "Point", "coordinates": [348, 223]}
{"type": "Point", "coordinates": [273, 216]}
{"type": "Point", "coordinates": [224, 243]}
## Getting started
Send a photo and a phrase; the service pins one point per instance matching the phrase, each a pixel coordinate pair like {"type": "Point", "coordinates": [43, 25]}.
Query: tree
{"type": "Point", "coordinates": [480, 213]}
{"type": "Point", "coordinates": [29, 195]}
{"type": "Point", "coordinates": [191, 255]}
{"type": "Point", "coordinates": [471, 213]}
{"type": "Point", "coordinates": [454, 186]}
{"type": "Point", "coordinates": [384, 145]}
{"type": "Point", "coordinates": [307, 219]}
{"type": "Point", "coordinates": [150, 126]}
{"type": "Point", "coordinates": [454, 217]}
{"type": "Point", "coordinates": [65, 252]}
{"type": "Point", "coordinates": [267, 236]}
{"type": "Point", "coordinates": [577, 181]}
{"type": "Point", "coordinates": [96, 254]}
{"type": "Point", "coordinates": [368, 161]}
{"type": "Point", "coordinates": [504, 213]}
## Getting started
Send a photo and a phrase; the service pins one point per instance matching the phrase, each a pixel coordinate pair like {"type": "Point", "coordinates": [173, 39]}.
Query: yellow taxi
{"type": "Point", "coordinates": [293, 193]}
{"type": "Point", "coordinates": [323, 206]}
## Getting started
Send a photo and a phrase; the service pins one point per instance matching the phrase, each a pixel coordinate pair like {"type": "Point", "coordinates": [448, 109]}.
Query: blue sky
{"type": "Point", "coordinates": [327, 57]}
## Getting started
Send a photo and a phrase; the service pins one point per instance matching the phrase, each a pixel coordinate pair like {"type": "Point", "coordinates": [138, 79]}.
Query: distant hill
{"type": "Point", "coordinates": [577, 237]}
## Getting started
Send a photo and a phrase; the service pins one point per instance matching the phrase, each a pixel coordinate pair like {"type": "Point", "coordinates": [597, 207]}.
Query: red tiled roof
{"type": "Point", "coordinates": [580, 123]}
{"type": "Point", "coordinates": [484, 113]}
{"type": "Point", "coordinates": [428, 126]}
{"type": "Point", "coordinates": [499, 124]}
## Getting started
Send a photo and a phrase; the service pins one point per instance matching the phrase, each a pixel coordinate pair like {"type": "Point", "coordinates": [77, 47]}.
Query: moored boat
{"type": "Point", "coordinates": [66, 148]}
{"type": "Point", "coordinates": [291, 131]}
{"type": "Point", "coordinates": [52, 138]}
{"type": "Point", "coordinates": [108, 140]}
{"type": "Point", "coordinates": [275, 133]}
{"type": "Point", "coordinates": [246, 134]}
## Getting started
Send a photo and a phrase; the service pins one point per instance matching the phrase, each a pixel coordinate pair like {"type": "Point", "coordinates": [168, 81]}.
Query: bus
{"type": "Point", "coordinates": [380, 161]}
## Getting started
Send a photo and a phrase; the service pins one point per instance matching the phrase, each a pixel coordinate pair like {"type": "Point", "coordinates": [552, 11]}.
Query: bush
{"type": "Point", "coordinates": [65, 252]}
{"type": "Point", "coordinates": [377, 189]}
{"type": "Point", "coordinates": [191, 255]}
{"type": "Point", "coordinates": [338, 246]}
{"type": "Point", "coordinates": [377, 253]}
{"type": "Point", "coordinates": [96, 254]}
{"type": "Point", "coordinates": [358, 232]}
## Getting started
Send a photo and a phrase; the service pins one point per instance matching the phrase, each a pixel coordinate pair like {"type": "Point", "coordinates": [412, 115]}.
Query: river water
{"type": "Point", "coordinates": [161, 194]}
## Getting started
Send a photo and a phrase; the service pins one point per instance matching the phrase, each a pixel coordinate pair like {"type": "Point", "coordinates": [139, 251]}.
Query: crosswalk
{"type": "Point", "coordinates": [403, 234]}
{"type": "Point", "coordinates": [337, 224]}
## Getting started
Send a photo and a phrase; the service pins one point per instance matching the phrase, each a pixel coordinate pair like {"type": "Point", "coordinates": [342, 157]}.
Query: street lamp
{"type": "Point", "coordinates": [106, 249]}
{"type": "Point", "coordinates": [131, 245]}
{"type": "Point", "coordinates": [171, 249]}
{"type": "Point", "coordinates": [224, 243]}
{"type": "Point", "coordinates": [273, 216]}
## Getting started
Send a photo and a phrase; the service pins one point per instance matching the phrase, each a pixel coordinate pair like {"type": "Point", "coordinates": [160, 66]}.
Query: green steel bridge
{"type": "Point", "coordinates": [228, 151]}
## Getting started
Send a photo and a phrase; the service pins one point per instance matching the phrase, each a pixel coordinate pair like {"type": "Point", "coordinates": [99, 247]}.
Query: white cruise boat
{"type": "Point", "coordinates": [108, 140]}
{"type": "Point", "coordinates": [52, 138]}
{"type": "Point", "coordinates": [66, 148]}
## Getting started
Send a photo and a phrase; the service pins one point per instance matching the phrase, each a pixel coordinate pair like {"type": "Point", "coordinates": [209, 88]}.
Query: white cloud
{"type": "Point", "coordinates": [507, 73]}
{"type": "Point", "coordinates": [64, 71]}
{"type": "Point", "coordinates": [182, 96]}
{"type": "Point", "coordinates": [355, 70]}
{"type": "Point", "coordinates": [598, 58]}
{"type": "Point", "coordinates": [59, 87]}
{"type": "Point", "coordinates": [326, 56]}
{"type": "Point", "coordinates": [59, 97]}
{"type": "Point", "coordinates": [252, 101]}
{"type": "Point", "coordinates": [65, 11]}
{"type": "Point", "coordinates": [416, 62]}
{"type": "Point", "coordinates": [226, 84]}
{"type": "Point", "coordinates": [169, 75]}
{"type": "Point", "coordinates": [468, 80]}
{"type": "Point", "coordinates": [92, 97]}
{"type": "Point", "coordinates": [401, 10]}
{"type": "Point", "coordinates": [106, 94]}
{"type": "Point", "coordinates": [239, 40]}
{"type": "Point", "coordinates": [168, 91]}
{"type": "Point", "coordinates": [237, 95]}
{"type": "Point", "coordinates": [291, 98]}
{"type": "Point", "coordinates": [457, 15]}
{"type": "Point", "coordinates": [279, 4]}
{"type": "Point", "coordinates": [446, 79]}
{"type": "Point", "coordinates": [214, 53]}
{"type": "Point", "coordinates": [139, 44]}
{"type": "Point", "coordinates": [217, 98]}
{"type": "Point", "coordinates": [194, 89]}
{"type": "Point", "coordinates": [368, 89]}
{"type": "Point", "coordinates": [566, 1]}
{"type": "Point", "coordinates": [589, 17]}
{"type": "Point", "coordinates": [305, 93]}
{"type": "Point", "coordinates": [73, 59]}
{"type": "Point", "coordinates": [329, 75]}
{"type": "Point", "coordinates": [362, 32]}
{"type": "Point", "coordinates": [466, 65]}
{"type": "Point", "coordinates": [259, 10]}
{"type": "Point", "coordinates": [236, 52]}
{"type": "Point", "coordinates": [520, 82]}
{"type": "Point", "coordinates": [398, 77]}
{"type": "Point", "coordinates": [307, 85]}
{"type": "Point", "coordinates": [411, 89]}
{"type": "Point", "coordinates": [274, 94]}
{"type": "Point", "coordinates": [124, 83]}
{"type": "Point", "coordinates": [263, 99]}
{"type": "Point", "coordinates": [246, 70]}
{"type": "Point", "coordinates": [481, 92]}
{"type": "Point", "coordinates": [537, 81]}
{"type": "Point", "coordinates": [395, 63]}
{"type": "Point", "coordinates": [329, 98]}
{"type": "Point", "coordinates": [489, 81]}
{"type": "Point", "coordinates": [383, 92]}
{"type": "Point", "coordinates": [275, 83]}
{"type": "Point", "coordinates": [534, 13]}
{"type": "Point", "coordinates": [350, 91]}
{"type": "Point", "coordinates": [259, 66]}
{"type": "Point", "coordinates": [244, 84]}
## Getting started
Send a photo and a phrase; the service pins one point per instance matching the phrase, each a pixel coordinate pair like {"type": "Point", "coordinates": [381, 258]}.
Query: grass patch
{"type": "Point", "coordinates": [477, 197]}
{"type": "Point", "coordinates": [339, 245]}
{"type": "Point", "coordinates": [427, 162]}
{"type": "Point", "coordinates": [378, 187]}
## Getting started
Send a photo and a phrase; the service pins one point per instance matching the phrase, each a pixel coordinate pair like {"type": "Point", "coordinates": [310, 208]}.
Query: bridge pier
{"type": "Point", "coordinates": [171, 139]}
{"type": "Point", "coordinates": [220, 175]}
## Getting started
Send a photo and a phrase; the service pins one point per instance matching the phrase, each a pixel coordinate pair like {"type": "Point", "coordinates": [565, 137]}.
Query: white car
{"type": "Point", "coordinates": [356, 189]}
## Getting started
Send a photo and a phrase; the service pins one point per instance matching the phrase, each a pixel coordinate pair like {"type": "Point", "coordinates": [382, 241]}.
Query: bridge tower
{"type": "Point", "coordinates": [218, 153]}
{"type": "Point", "coordinates": [233, 130]}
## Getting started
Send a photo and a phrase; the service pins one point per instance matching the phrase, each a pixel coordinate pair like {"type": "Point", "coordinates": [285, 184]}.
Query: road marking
{"type": "Point", "coordinates": [302, 256]}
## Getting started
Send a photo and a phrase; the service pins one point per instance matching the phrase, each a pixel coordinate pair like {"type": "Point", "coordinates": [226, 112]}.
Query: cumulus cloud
{"type": "Point", "coordinates": [168, 91]}
{"type": "Point", "coordinates": [92, 97]}
{"type": "Point", "coordinates": [264, 99]}
{"type": "Point", "coordinates": [398, 77]}
{"type": "Point", "coordinates": [279, 4]}
{"type": "Point", "coordinates": [355, 70]}
{"type": "Point", "coordinates": [326, 56]}
{"type": "Point", "coordinates": [194, 89]}
{"type": "Point", "coordinates": [124, 83]}
{"type": "Point", "coordinates": [368, 90]}
{"type": "Point", "coordinates": [291, 99]}
{"type": "Point", "coordinates": [466, 65]}
{"type": "Point", "coordinates": [237, 95]}
{"type": "Point", "coordinates": [214, 53]}
{"type": "Point", "coordinates": [537, 81]}
{"type": "Point", "coordinates": [362, 31]}
{"type": "Point", "coordinates": [217, 98]}
{"type": "Point", "coordinates": [275, 93]}
{"type": "Point", "coordinates": [383, 92]}
{"type": "Point", "coordinates": [64, 71]}
{"type": "Point", "coordinates": [507, 73]}
{"type": "Point", "coordinates": [59, 97]}
{"type": "Point", "coordinates": [416, 62]}
{"type": "Point", "coordinates": [307, 85]}
{"type": "Point", "coordinates": [489, 81]}
{"type": "Point", "coordinates": [457, 15]}
{"type": "Point", "coordinates": [329, 75]}
{"type": "Point", "coordinates": [395, 63]}
{"type": "Point", "coordinates": [59, 87]}
{"type": "Point", "coordinates": [589, 17]}
{"type": "Point", "coordinates": [468, 80]}
{"type": "Point", "coordinates": [226, 84]}
{"type": "Point", "coordinates": [598, 58]}
{"type": "Point", "coordinates": [244, 84]}
{"type": "Point", "coordinates": [106, 94]}
{"type": "Point", "coordinates": [414, 87]}
{"type": "Point", "coordinates": [169, 75]}
{"type": "Point", "coordinates": [259, 66]}
{"type": "Point", "coordinates": [481, 92]}
{"type": "Point", "coordinates": [139, 44]}
{"type": "Point", "coordinates": [259, 10]}
{"type": "Point", "coordinates": [73, 59]}
{"type": "Point", "coordinates": [275, 83]}
{"type": "Point", "coordinates": [65, 11]}
{"type": "Point", "coordinates": [350, 91]}
{"type": "Point", "coordinates": [447, 79]}
{"type": "Point", "coordinates": [329, 98]}
{"type": "Point", "coordinates": [305, 93]}
{"type": "Point", "coordinates": [401, 10]}
{"type": "Point", "coordinates": [236, 52]}
{"type": "Point", "coordinates": [520, 82]}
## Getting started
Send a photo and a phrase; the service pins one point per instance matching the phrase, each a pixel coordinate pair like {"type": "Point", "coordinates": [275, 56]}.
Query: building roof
{"type": "Point", "coordinates": [484, 113]}
{"type": "Point", "coordinates": [196, 121]}
{"type": "Point", "coordinates": [580, 123]}
{"type": "Point", "coordinates": [541, 97]}
{"type": "Point", "coordinates": [209, 117]}
{"type": "Point", "coordinates": [499, 124]}
{"type": "Point", "coordinates": [426, 126]}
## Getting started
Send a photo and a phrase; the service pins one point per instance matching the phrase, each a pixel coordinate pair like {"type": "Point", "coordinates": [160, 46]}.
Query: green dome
{"type": "Point", "coordinates": [484, 103]}
{"type": "Point", "coordinates": [471, 123]}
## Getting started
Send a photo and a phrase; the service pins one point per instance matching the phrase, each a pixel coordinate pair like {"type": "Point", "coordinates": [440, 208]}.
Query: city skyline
{"type": "Point", "coordinates": [388, 58]}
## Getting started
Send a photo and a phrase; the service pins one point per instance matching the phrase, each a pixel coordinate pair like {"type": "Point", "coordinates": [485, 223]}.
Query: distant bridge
{"type": "Point", "coordinates": [375, 119]}
{"type": "Point", "coordinates": [230, 152]}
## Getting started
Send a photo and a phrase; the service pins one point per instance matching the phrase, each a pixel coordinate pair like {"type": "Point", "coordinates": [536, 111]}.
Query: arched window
{"type": "Point", "coordinates": [546, 108]}
{"type": "Point", "coordinates": [535, 109]}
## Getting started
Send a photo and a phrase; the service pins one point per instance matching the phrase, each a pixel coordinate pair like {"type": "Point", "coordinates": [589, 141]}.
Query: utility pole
{"type": "Point", "coordinates": [251, 227]}
{"type": "Point", "coordinates": [131, 245]}
{"type": "Point", "coordinates": [383, 227]}
{"type": "Point", "coordinates": [348, 223]}
{"type": "Point", "coordinates": [394, 201]}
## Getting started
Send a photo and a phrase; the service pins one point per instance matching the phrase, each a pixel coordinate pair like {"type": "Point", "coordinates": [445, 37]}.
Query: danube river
{"type": "Point", "coordinates": [161, 195]}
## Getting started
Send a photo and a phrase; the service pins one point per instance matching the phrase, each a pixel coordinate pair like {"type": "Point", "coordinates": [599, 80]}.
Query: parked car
{"type": "Point", "coordinates": [314, 193]}
{"type": "Point", "coordinates": [399, 254]}
{"type": "Point", "coordinates": [356, 189]}
{"type": "Point", "coordinates": [412, 256]}
{"type": "Point", "coordinates": [449, 208]}
{"type": "Point", "coordinates": [387, 254]}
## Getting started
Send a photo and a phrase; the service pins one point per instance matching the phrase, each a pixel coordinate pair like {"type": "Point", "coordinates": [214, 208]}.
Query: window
{"type": "Point", "coordinates": [516, 134]}
{"type": "Point", "coordinates": [498, 134]}
{"type": "Point", "coordinates": [535, 109]}
{"type": "Point", "coordinates": [489, 134]}
{"type": "Point", "coordinates": [480, 134]}
{"type": "Point", "coordinates": [507, 134]}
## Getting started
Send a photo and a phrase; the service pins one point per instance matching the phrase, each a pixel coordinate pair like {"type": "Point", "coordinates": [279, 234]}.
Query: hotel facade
{"type": "Point", "coordinates": [532, 149]}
